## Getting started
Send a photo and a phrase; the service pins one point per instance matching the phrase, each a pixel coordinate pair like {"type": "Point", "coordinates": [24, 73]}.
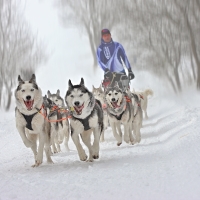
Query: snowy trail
{"type": "Point", "coordinates": [165, 165]}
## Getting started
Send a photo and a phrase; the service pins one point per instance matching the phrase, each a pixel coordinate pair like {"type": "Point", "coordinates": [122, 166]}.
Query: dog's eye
{"type": "Point", "coordinates": [32, 90]}
{"type": "Point", "coordinates": [72, 96]}
{"type": "Point", "coordinates": [23, 90]}
{"type": "Point", "coordinates": [81, 95]}
{"type": "Point", "coordinates": [116, 93]}
{"type": "Point", "coordinates": [109, 94]}
{"type": "Point", "coordinates": [56, 100]}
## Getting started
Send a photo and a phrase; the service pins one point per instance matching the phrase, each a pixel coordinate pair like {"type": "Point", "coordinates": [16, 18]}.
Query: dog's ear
{"type": "Point", "coordinates": [45, 97]}
{"type": "Point", "coordinates": [58, 92]}
{"type": "Point", "coordinates": [20, 81]}
{"type": "Point", "coordinates": [70, 84]}
{"type": "Point", "coordinates": [82, 81]}
{"type": "Point", "coordinates": [33, 79]}
{"type": "Point", "coordinates": [48, 93]}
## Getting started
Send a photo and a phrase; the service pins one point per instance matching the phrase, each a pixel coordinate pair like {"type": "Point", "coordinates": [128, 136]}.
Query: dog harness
{"type": "Point", "coordinates": [28, 119]}
{"type": "Point", "coordinates": [118, 117]}
{"type": "Point", "coordinates": [85, 121]}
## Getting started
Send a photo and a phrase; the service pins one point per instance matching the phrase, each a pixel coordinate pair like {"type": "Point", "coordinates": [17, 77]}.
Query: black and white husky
{"type": "Point", "coordinates": [86, 117]}
{"type": "Point", "coordinates": [29, 122]}
{"type": "Point", "coordinates": [60, 124]}
{"type": "Point", "coordinates": [120, 111]}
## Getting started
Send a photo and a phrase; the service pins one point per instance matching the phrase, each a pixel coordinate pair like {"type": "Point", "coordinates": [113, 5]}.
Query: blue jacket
{"type": "Point", "coordinates": [109, 56]}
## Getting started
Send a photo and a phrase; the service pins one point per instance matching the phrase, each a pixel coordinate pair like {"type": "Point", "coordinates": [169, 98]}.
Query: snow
{"type": "Point", "coordinates": [165, 165]}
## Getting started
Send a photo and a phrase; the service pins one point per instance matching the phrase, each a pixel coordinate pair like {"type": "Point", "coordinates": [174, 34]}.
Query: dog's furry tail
{"type": "Point", "coordinates": [148, 92]}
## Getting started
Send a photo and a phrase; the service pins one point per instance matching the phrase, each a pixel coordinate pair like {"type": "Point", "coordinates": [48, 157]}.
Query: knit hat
{"type": "Point", "coordinates": [105, 31]}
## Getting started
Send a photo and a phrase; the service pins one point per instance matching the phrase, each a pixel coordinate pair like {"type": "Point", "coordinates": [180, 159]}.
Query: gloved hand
{"type": "Point", "coordinates": [130, 74]}
{"type": "Point", "coordinates": [108, 74]}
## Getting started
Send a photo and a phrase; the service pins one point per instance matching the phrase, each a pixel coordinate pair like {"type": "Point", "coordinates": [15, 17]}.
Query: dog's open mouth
{"type": "Point", "coordinates": [78, 109]}
{"type": "Point", "coordinates": [115, 105]}
{"type": "Point", "coordinates": [29, 104]}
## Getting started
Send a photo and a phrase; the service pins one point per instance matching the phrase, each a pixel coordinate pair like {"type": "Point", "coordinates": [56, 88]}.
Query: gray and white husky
{"type": "Point", "coordinates": [86, 117]}
{"type": "Point", "coordinates": [30, 124]}
{"type": "Point", "coordinates": [59, 128]}
{"type": "Point", "coordinates": [99, 94]}
{"type": "Point", "coordinates": [137, 116]}
{"type": "Point", "coordinates": [120, 111]}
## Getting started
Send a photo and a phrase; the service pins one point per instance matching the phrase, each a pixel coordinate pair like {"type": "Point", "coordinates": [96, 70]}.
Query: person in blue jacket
{"type": "Point", "coordinates": [110, 55]}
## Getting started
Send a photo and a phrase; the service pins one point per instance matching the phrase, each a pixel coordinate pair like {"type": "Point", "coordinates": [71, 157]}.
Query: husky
{"type": "Point", "coordinates": [137, 116]}
{"type": "Point", "coordinates": [30, 124]}
{"type": "Point", "coordinates": [86, 117]}
{"type": "Point", "coordinates": [99, 94]}
{"type": "Point", "coordinates": [143, 96]}
{"type": "Point", "coordinates": [60, 124]}
{"type": "Point", "coordinates": [119, 108]}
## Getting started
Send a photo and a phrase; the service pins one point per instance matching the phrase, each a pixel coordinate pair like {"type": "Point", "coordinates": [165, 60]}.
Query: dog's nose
{"type": "Point", "coordinates": [113, 99]}
{"type": "Point", "coordinates": [76, 103]}
{"type": "Point", "coordinates": [28, 97]}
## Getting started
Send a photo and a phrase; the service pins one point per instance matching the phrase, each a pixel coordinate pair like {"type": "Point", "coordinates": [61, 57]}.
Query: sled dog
{"type": "Point", "coordinates": [29, 122]}
{"type": "Point", "coordinates": [119, 108]}
{"type": "Point", "coordinates": [144, 99]}
{"type": "Point", "coordinates": [60, 124]}
{"type": "Point", "coordinates": [99, 94]}
{"type": "Point", "coordinates": [137, 116]}
{"type": "Point", "coordinates": [86, 117]}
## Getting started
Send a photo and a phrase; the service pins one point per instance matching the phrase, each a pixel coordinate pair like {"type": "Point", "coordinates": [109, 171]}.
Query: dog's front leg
{"type": "Point", "coordinates": [39, 157]}
{"type": "Point", "coordinates": [53, 136]}
{"type": "Point", "coordinates": [96, 133]}
{"type": "Point", "coordinates": [131, 135]}
{"type": "Point", "coordinates": [25, 140]}
{"type": "Point", "coordinates": [117, 137]}
{"type": "Point", "coordinates": [126, 132]}
{"type": "Point", "coordinates": [33, 139]}
{"type": "Point", "coordinates": [137, 131]}
{"type": "Point", "coordinates": [86, 138]}
{"type": "Point", "coordinates": [81, 152]}
{"type": "Point", "coordinates": [66, 135]}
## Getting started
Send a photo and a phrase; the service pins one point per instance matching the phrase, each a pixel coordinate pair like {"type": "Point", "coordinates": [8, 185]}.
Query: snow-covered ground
{"type": "Point", "coordinates": [165, 165]}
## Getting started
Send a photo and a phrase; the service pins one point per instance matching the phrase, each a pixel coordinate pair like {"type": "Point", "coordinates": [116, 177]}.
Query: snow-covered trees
{"type": "Point", "coordinates": [20, 51]}
{"type": "Point", "coordinates": [162, 35]}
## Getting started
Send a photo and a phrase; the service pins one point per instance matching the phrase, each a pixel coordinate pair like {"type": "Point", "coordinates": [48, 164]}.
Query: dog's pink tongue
{"type": "Point", "coordinates": [78, 108]}
{"type": "Point", "coordinates": [115, 104]}
{"type": "Point", "coordinates": [29, 104]}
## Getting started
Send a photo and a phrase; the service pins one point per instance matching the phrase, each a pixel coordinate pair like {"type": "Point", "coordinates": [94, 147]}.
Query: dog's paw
{"type": "Point", "coordinates": [37, 163]}
{"type": "Point", "coordinates": [119, 143]}
{"type": "Point", "coordinates": [50, 162]}
{"type": "Point", "coordinates": [95, 156]}
{"type": "Point", "coordinates": [38, 160]}
{"type": "Point", "coordinates": [83, 157]}
{"type": "Point", "coordinates": [139, 139]}
{"type": "Point", "coordinates": [90, 160]}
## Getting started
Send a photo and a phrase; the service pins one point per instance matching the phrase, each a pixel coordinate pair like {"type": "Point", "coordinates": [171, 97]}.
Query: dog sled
{"type": "Point", "coordinates": [117, 78]}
